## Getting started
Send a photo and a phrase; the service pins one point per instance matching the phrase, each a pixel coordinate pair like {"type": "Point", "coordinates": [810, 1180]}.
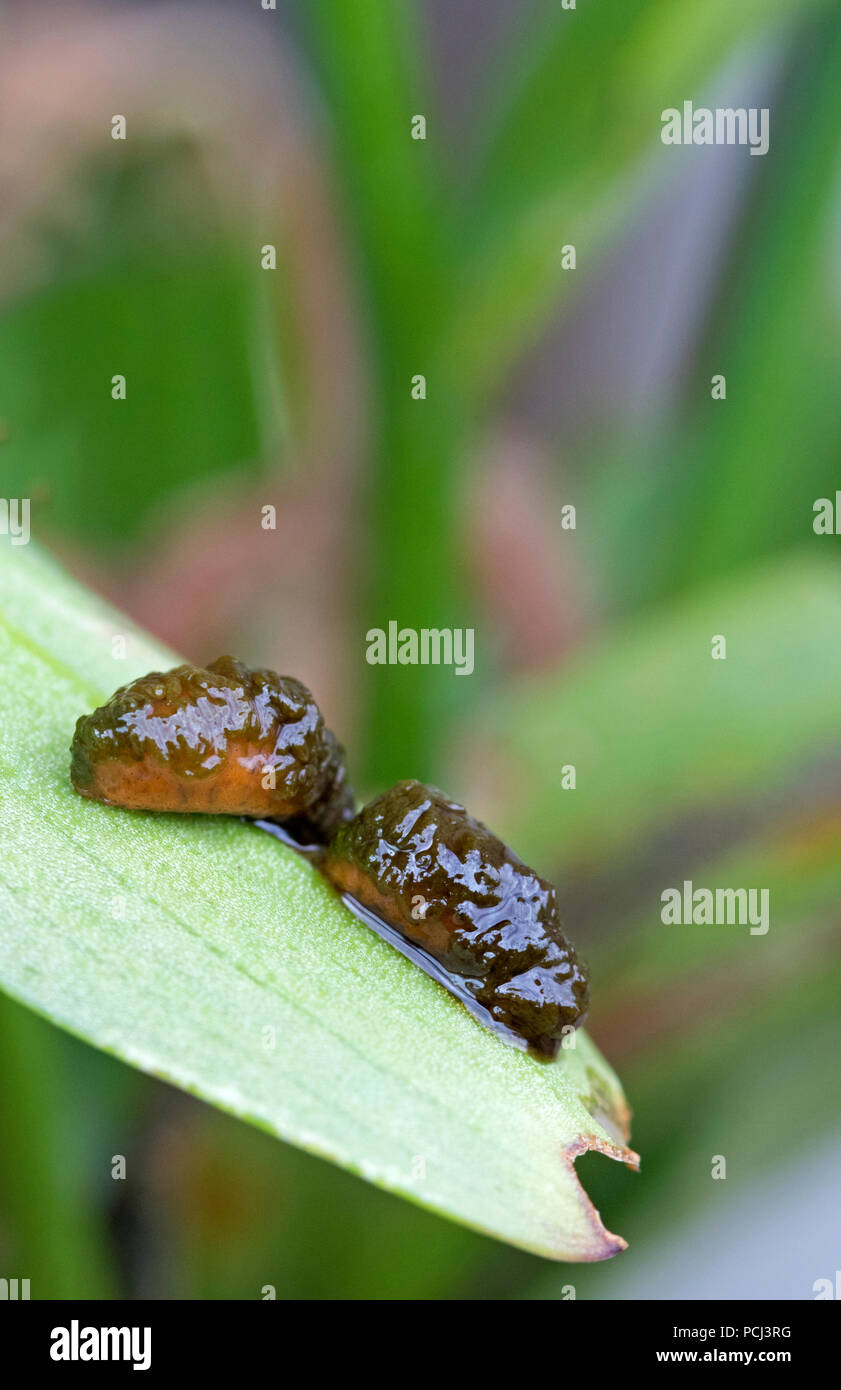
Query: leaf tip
{"type": "Point", "coordinates": [600, 1243]}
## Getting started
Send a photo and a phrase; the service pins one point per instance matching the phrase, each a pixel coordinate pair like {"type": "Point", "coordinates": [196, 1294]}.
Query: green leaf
{"type": "Point", "coordinates": [709, 737]}
{"type": "Point", "coordinates": [202, 951]}
{"type": "Point", "coordinates": [775, 335]}
{"type": "Point", "coordinates": [47, 1176]}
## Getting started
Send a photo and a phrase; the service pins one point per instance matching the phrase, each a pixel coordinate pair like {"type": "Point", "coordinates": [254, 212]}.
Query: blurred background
{"type": "Point", "coordinates": [547, 387]}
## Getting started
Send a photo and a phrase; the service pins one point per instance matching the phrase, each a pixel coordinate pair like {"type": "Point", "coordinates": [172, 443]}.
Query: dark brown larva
{"type": "Point", "coordinates": [420, 863]}
{"type": "Point", "coordinates": [220, 740]}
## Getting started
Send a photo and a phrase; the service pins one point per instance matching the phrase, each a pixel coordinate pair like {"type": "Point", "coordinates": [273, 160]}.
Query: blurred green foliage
{"type": "Point", "coordinates": [401, 229]}
{"type": "Point", "coordinates": [156, 292]}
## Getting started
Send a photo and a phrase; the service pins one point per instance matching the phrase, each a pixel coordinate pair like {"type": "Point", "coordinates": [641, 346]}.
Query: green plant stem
{"type": "Point", "coordinates": [411, 551]}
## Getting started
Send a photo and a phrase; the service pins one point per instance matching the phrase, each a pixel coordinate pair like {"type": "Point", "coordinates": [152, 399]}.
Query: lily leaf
{"type": "Point", "coordinates": [204, 952]}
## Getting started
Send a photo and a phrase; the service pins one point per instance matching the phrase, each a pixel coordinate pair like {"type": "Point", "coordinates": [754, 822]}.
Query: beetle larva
{"type": "Point", "coordinates": [221, 740]}
{"type": "Point", "coordinates": [421, 864]}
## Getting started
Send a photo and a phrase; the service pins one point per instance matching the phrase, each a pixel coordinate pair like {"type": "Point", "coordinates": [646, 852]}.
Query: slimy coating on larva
{"type": "Point", "coordinates": [222, 740]}
{"type": "Point", "coordinates": [421, 863]}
